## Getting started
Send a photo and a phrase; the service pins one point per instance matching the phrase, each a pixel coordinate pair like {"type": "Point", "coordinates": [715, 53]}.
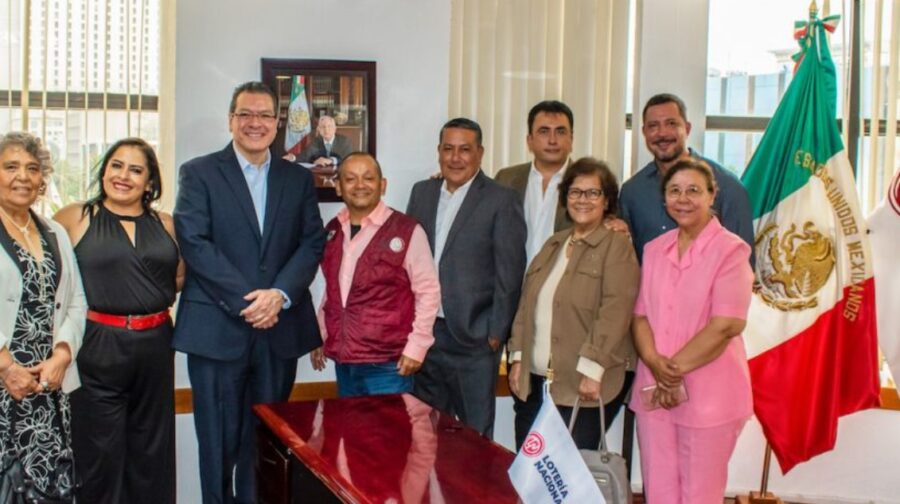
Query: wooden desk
{"type": "Point", "coordinates": [376, 449]}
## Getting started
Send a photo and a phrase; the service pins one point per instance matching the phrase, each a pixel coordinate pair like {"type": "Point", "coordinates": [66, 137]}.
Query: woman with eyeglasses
{"type": "Point", "coordinates": [575, 311]}
{"type": "Point", "coordinates": [41, 325]}
{"type": "Point", "coordinates": [123, 417]}
{"type": "Point", "coordinates": [692, 392]}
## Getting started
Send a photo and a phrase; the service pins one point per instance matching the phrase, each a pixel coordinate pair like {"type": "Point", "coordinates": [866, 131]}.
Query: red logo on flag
{"type": "Point", "coordinates": [894, 193]}
{"type": "Point", "coordinates": [533, 445]}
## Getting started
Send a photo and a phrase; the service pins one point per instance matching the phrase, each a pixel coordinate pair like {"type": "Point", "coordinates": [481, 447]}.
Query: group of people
{"type": "Point", "coordinates": [87, 361]}
{"type": "Point", "coordinates": [585, 285]}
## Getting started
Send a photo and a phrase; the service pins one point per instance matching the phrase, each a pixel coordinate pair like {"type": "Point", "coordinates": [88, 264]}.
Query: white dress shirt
{"type": "Point", "coordinates": [448, 206]}
{"type": "Point", "coordinates": [540, 209]}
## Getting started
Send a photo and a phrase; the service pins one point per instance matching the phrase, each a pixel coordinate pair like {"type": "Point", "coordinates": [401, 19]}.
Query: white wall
{"type": "Point", "coordinates": [408, 39]}
{"type": "Point", "coordinates": [660, 69]}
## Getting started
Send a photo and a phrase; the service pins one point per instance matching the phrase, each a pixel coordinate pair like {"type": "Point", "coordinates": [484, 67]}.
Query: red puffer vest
{"type": "Point", "coordinates": [375, 324]}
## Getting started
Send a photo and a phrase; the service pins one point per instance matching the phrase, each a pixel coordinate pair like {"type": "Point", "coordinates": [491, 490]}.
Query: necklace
{"type": "Point", "coordinates": [22, 229]}
{"type": "Point", "coordinates": [39, 266]}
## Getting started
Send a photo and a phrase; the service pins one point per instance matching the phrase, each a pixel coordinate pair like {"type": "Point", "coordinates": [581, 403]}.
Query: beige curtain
{"type": "Point", "coordinates": [507, 55]}
{"type": "Point", "coordinates": [884, 157]}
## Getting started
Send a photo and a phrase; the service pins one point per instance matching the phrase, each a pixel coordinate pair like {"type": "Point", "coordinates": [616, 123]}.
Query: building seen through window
{"type": "Point", "coordinates": [92, 77]}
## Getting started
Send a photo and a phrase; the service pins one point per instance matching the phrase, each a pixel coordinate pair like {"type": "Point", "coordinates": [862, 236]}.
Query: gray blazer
{"type": "Point", "coordinates": [483, 262]}
{"type": "Point", "coordinates": [516, 177]}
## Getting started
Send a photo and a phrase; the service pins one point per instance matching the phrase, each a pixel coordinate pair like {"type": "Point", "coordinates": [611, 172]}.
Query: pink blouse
{"type": "Point", "coordinates": [679, 296]}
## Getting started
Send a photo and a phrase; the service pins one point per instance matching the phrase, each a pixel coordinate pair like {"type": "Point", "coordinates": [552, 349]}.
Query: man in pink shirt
{"type": "Point", "coordinates": [381, 288]}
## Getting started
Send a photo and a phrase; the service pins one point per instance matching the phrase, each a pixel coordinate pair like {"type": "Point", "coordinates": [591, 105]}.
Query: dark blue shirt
{"type": "Point", "coordinates": [642, 206]}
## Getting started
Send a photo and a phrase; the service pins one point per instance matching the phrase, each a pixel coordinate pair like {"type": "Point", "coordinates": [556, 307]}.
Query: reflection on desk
{"type": "Point", "coordinates": [377, 449]}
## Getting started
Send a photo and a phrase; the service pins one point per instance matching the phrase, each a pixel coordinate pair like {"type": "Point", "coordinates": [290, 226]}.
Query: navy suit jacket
{"type": "Point", "coordinates": [227, 256]}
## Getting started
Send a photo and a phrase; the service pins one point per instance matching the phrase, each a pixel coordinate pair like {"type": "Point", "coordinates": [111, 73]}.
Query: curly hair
{"type": "Point", "coordinates": [33, 146]}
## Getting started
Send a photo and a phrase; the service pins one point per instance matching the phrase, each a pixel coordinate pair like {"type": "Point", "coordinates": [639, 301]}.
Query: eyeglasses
{"type": "Point", "coordinates": [590, 194]}
{"type": "Point", "coordinates": [691, 192]}
{"type": "Point", "coordinates": [244, 116]}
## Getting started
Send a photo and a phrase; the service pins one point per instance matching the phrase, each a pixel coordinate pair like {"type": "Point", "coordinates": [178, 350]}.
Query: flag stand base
{"type": "Point", "coordinates": [763, 496]}
{"type": "Point", "coordinates": [758, 498]}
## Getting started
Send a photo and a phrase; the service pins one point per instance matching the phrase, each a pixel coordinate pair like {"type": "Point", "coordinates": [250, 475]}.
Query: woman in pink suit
{"type": "Point", "coordinates": [692, 390]}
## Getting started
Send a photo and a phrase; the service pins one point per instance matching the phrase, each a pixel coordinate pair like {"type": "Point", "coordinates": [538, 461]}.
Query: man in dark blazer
{"type": "Point", "coordinates": [477, 234]}
{"type": "Point", "coordinates": [249, 229]}
{"type": "Point", "coordinates": [550, 130]}
{"type": "Point", "coordinates": [327, 148]}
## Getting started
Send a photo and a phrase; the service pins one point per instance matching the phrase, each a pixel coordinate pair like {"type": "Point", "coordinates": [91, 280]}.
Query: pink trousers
{"type": "Point", "coordinates": [685, 465]}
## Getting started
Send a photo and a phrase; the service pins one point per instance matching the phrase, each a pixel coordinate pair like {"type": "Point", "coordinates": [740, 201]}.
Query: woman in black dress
{"type": "Point", "coordinates": [41, 323]}
{"type": "Point", "coordinates": [123, 421]}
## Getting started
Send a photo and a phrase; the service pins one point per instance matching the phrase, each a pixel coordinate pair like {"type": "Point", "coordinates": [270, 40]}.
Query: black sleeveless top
{"type": "Point", "coordinates": [121, 278]}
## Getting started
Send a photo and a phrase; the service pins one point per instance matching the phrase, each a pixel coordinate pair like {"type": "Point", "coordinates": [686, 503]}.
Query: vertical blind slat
{"type": "Point", "coordinates": [872, 194]}
{"type": "Point", "coordinates": [891, 132]}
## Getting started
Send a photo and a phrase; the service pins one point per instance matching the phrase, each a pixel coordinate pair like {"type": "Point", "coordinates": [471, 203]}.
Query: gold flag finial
{"type": "Point", "coordinates": [813, 8]}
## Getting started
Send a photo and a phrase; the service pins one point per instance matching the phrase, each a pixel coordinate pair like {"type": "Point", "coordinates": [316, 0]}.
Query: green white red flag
{"type": "Point", "coordinates": [810, 336]}
{"type": "Point", "coordinates": [298, 127]}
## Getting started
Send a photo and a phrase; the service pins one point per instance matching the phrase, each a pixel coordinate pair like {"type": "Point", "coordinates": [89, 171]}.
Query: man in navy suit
{"type": "Point", "coordinates": [249, 229]}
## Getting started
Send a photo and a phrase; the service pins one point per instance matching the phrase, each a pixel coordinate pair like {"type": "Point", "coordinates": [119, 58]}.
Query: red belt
{"type": "Point", "coordinates": [136, 322]}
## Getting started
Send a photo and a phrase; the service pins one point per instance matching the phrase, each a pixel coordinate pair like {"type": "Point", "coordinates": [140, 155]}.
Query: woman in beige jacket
{"type": "Point", "coordinates": [575, 311]}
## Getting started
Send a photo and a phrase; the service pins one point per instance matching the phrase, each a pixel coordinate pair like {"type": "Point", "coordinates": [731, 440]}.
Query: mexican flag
{"type": "Point", "coordinates": [298, 127]}
{"type": "Point", "coordinates": [810, 333]}
{"type": "Point", "coordinates": [884, 225]}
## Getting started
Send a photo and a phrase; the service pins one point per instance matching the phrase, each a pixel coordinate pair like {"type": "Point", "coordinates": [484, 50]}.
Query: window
{"type": "Point", "coordinates": [78, 119]}
{"type": "Point", "coordinates": [750, 66]}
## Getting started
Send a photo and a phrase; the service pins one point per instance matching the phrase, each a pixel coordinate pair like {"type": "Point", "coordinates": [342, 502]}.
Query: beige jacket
{"type": "Point", "coordinates": [592, 310]}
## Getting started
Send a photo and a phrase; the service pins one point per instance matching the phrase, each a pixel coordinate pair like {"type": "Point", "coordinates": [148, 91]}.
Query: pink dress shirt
{"type": "Point", "coordinates": [678, 296]}
{"type": "Point", "coordinates": [419, 266]}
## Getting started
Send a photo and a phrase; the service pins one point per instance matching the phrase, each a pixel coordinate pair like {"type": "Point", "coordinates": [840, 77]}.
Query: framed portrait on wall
{"type": "Point", "coordinates": [326, 111]}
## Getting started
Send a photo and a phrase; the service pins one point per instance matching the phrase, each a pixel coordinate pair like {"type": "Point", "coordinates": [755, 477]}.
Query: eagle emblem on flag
{"type": "Point", "coordinates": [793, 266]}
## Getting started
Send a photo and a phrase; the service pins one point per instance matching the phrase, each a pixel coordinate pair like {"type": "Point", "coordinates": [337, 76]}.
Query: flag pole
{"type": "Point", "coordinates": [767, 460]}
{"type": "Point", "coordinates": [763, 496]}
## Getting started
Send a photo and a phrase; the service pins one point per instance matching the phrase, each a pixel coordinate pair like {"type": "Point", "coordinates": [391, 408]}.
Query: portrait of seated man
{"type": "Point", "coordinates": [327, 148]}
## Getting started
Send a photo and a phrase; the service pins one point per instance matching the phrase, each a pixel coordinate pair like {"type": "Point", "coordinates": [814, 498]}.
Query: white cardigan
{"type": "Point", "coordinates": [70, 305]}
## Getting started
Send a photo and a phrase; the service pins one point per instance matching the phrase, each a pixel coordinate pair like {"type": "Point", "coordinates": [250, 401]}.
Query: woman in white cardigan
{"type": "Point", "coordinates": [42, 320]}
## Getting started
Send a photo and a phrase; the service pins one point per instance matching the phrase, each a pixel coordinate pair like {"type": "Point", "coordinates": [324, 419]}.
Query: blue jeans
{"type": "Point", "coordinates": [370, 379]}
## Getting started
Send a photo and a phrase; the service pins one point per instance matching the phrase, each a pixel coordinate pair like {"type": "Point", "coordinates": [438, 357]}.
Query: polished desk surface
{"type": "Point", "coordinates": [391, 448]}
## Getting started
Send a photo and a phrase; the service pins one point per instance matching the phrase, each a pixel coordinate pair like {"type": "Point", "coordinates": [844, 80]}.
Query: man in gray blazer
{"type": "Point", "coordinates": [550, 129]}
{"type": "Point", "coordinates": [477, 233]}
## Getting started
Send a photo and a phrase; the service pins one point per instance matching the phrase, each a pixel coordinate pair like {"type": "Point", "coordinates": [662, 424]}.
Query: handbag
{"type": "Point", "coordinates": [15, 485]}
{"type": "Point", "coordinates": [608, 468]}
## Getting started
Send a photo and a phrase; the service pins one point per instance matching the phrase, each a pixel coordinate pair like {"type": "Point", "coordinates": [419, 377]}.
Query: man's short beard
{"type": "Point", "coordinates": [677, 154]}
